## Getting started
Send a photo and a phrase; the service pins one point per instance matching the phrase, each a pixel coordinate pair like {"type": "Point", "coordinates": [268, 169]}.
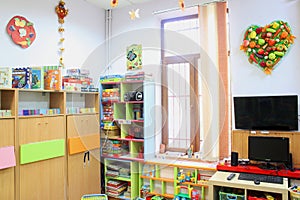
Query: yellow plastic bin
{"type": "Point", "coordinates": [294, 193]}
{"type": "Point", "coordinates": [94, 197]}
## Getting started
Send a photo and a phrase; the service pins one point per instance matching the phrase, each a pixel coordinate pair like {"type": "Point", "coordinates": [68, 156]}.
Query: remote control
{"type": "Point", "coordinates": [230, 176]}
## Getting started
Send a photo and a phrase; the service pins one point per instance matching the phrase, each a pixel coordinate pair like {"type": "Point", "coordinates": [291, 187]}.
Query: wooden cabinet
{"type": "Point", "coordinates": [36, 126]}
{"type": "Point", "coordinates": [38, 179]}
{"type": "Point", "coordinates": [84, 159]}
{"type": "Point", "coordinates": [241, 189]}
{"type": "Point", "coordinates": [240, 142]}
{"type": "Point", "coordinates": [7, 140]}
{"type": "Point", "coordinates": [7, 175]}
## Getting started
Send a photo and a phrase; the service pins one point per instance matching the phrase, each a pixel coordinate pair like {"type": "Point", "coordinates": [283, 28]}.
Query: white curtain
{"type": "Point", "coordinates": [214, 75]}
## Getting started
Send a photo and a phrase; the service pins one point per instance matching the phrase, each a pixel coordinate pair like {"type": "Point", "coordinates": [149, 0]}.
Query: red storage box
{"type": "Point", "coordinates": [256, 198]}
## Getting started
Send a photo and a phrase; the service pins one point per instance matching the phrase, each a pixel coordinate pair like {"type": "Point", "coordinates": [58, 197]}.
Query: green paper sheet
{"type": "Point", "coordinates": [38, 151]}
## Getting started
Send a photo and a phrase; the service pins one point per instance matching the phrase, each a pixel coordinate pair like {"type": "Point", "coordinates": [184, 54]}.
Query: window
{"type": "Point", "coordinates": [180, 84]}
{"type": "Point", "coordinates": [205, 106]}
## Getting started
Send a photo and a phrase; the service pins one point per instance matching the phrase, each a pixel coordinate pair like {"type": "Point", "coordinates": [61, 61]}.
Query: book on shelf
{"type": "Point", "coordinates": [37, 81]}
{"type": "Point", "coordinates": [5, 77]}
{"type": "Point", "coordinates": [21, 77]}
{"type": "Point", "coordinates": [137, 75]}
{"type": "Point", "coordinates": [52, 79]}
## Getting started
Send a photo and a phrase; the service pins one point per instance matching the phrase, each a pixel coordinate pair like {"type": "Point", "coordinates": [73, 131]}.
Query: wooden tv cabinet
{"type": "Point", "coordinates": [239, 142]}
{"type": "Point", "coordinates": [219, 181]}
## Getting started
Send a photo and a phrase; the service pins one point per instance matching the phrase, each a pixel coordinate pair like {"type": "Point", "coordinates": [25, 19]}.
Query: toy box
{"type": "Point", "coordinates": [5, 77]}
{"type": "Point", "coordinates": [21, 77]}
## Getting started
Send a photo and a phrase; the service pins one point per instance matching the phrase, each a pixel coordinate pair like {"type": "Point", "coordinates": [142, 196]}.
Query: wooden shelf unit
{"type": "Point", "coordinates": [41, 173]}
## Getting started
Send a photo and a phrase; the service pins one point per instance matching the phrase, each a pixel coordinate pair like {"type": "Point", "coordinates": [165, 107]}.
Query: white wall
{"type": "Point", "coordinates": [247, 79]}
{"type": "Point", "coordinates": [146, 31]}
{"type": "Point", "coordinates": [84, 31]}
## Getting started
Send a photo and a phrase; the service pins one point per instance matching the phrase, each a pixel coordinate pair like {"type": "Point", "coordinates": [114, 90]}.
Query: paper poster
{"type": "Point", "coordinates": [33, 152]}
{"type": "Point", "coordinates": [134, 57]}
{"type": "Point", "coordinates": [7, 157]}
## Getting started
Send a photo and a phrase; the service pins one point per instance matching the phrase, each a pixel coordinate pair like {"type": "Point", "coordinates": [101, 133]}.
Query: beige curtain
{"type": "Point", "coordinates": [214, 76]}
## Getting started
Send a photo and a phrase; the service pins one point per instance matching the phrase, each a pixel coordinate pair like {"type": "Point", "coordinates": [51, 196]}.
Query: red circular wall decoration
{"type": "Point", "coordinates": [21, 31]}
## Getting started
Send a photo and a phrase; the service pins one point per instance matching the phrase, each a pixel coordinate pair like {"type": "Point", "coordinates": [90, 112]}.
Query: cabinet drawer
{"type": "Point", "coordinates": [40, 129]}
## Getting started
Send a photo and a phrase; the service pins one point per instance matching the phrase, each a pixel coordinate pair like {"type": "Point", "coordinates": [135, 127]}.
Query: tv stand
{"type": "Point", "coordinates": [219, 182]}
{"type": "Point", "coordinates": [267, 166]}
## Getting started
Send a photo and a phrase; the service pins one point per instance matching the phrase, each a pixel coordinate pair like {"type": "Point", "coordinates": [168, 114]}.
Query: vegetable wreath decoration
{"type": "Point", "coordinates": [266, 46]}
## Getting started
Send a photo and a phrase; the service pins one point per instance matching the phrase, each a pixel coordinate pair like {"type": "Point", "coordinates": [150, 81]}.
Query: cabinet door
{"type": "Point", "coordinates": [41, 129]}
{"type": "Point", "coordinates": [42, 179]}
{"type": "Point", "coordinates": [7, 176]}
{"type": "Point", "coordinates": [82, 125]}
{"type": "Point", "coordinates": [83, 177]}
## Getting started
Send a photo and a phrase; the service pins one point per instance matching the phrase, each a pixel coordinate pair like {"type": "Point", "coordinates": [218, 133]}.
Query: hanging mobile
{"type": "Point", "coordinates": [61, 12]}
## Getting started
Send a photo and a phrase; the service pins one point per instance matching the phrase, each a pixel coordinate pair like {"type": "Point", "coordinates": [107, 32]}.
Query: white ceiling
{"type": "Point", "coordinates": [105, 4]}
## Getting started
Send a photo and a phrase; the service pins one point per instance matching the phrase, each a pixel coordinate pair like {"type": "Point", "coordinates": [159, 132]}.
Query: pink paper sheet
{"type": "Point", "coordinates": [7, 157]}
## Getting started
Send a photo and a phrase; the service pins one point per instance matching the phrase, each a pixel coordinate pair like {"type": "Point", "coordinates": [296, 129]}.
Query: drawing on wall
{"type": "Point", "coordinates": [266, 45]}
{"type": "Point", "coordinates": [134, 57]}
{"type": "Point", "coordinates": [21, 31]}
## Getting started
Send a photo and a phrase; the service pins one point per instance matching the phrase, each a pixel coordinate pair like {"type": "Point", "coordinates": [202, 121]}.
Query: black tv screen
{"type": "Point", "coordinates": [268, 149]}
{"type": "Point", "coordinates": [266, 112]}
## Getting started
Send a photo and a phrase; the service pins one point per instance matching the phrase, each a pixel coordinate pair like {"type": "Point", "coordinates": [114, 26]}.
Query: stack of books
{"type": "Point", "coordinates": [115, 188]}
{"type": "Point", "coordinates": [137, 76]}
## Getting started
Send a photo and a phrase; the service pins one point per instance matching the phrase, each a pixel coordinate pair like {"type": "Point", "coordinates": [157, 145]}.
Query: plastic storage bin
{"type": "Point", "coordinates": [294, 193]}
{"type": "Point", "coordinates": [256, 198]}
{"type": "Point", "coordinates": [94, 197]}
{"type": "Point", "coordinates": [230, 196]}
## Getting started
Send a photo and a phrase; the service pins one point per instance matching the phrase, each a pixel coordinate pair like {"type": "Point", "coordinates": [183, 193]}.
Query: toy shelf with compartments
{"type": "Point", "coordinates": [172, 178]}
{"type": "Point", "coordinates": [120, 178]}
{"type": "Point", "coordinates": [135, 119]}
{"type": "Point", "coordinates": [127, 131]}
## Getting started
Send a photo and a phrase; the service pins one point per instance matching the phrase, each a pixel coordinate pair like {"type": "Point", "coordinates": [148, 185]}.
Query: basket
{"type": "Point", "coordinates": [94, 197]}
{"type": "Point", "coordinates": [294, 195]}
{"type": "Point", "coordinates": [229, 196]}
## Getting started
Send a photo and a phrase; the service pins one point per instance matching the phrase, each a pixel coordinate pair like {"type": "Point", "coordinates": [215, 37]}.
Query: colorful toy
{"type": "Point", "coordinates": [183, 193]}
{"type": "Point", "coordinates": [195, 195]}
{"type": "Point", "coordinates": [266, 46]}
{"type": "Point", "coordinates": [181, 176]}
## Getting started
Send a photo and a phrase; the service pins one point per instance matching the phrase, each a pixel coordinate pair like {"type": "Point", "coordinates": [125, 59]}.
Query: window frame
{"type": "Point", "coordinates": [192, 59]}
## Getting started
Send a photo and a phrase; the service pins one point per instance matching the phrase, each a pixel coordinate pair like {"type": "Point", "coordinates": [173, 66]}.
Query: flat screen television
{"type": "Point", "coordinates": [266, 112]}
{"type": "Point", "coordinates": [268, 149]}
